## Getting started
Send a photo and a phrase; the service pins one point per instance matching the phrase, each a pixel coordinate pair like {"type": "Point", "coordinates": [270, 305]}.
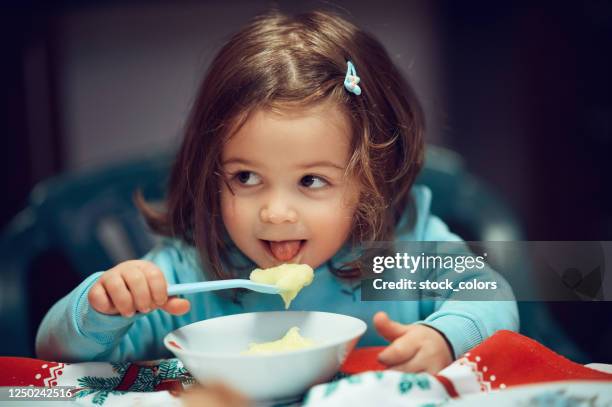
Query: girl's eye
{"type": "Point", "coordinates": [248, 178]}
{"type": "Point", "coordinates": [314, 182]}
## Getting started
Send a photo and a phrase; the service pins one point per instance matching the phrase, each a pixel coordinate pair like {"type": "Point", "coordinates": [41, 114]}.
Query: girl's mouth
{"type": "Point", "coordinates": [284, 250]}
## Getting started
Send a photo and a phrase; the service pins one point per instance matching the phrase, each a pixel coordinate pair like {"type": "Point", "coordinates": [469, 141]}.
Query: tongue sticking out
{"type": "Point", "coordinates": [285, 250]}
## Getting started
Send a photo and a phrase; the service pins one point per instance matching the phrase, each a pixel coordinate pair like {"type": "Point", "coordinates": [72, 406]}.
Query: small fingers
{"type": "Point", "coordinates": [119, 294]}
{"type": "Point", "coordinates": [139, 288]}
{"type": "Point", "coordinates": [387, 328]}
{"type": "Point", "coordinates": [415, 365]}
{"type": "Point", "coordinates": [99, 299]}
{"type": "Point", "coordinates": [427, 359]}
{"type": "Point", "coordinates": [176, 306]}
{"type": "Point", "coordinates": [157, 284]}
{"type": "Point", "coordinates": [135, 285]}
{"type": "Point", "coordinates": [399, 351]}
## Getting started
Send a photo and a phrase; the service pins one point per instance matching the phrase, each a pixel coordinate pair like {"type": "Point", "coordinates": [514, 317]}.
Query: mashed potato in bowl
{"type": "Point", "coordinates": [291, 341]}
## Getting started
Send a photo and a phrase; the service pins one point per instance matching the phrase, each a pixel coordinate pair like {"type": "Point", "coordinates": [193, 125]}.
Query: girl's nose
{"type": "Point", "coordinates": [277, 211]}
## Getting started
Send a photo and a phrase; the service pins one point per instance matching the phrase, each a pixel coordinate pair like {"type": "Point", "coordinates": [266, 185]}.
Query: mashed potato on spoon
{"type": "Point", "coordinates": [290, 278]}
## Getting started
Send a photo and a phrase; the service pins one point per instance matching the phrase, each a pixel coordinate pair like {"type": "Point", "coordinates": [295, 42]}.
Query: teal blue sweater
{"type": "Point", "coordinates": [73, 331]}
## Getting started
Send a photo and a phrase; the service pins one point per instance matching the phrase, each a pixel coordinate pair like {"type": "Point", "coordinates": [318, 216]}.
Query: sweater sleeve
{"type": "Point", "coordinates": [72, 331]}
{"type": "Point", "coordinates": [464, 323]}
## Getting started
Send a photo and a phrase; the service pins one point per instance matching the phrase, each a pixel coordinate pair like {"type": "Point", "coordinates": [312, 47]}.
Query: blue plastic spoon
{"type": "Point", "coordinates": [190, 288]}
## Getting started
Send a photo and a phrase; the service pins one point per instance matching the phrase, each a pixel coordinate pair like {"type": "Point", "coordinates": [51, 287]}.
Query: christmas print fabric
{"type": "Point", "coordinates": [505, 361]}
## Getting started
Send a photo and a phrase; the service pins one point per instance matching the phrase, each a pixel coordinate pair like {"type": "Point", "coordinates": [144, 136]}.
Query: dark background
{"type": "Point", "coordinates": [520, 90]}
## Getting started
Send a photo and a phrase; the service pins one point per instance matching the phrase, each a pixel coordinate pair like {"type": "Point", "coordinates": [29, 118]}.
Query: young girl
{"type": "Point", "coordinates": [304, 142]}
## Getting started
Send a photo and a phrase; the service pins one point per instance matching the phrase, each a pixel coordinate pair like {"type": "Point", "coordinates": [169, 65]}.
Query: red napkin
{"type": "Point", "coordinates": [363, 360]}
{"type": "Point", "coordinates": [505, 359]}
{"type": "Point", "coordinates": [29, 372]}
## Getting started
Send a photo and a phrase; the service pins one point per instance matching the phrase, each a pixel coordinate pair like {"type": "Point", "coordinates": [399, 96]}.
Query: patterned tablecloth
{"type": "Point", "coordinates": [503, 362]}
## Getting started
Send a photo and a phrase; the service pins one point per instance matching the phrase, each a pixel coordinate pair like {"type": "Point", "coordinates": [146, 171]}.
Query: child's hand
{"type": "Point", "coordinates": [414, 348]}
{"type": "Point", "coordinates": [134, 285]}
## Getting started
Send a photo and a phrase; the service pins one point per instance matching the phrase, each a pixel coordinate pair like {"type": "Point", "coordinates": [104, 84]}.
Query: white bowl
{"type": "Point", "coordinates": [211, 350]}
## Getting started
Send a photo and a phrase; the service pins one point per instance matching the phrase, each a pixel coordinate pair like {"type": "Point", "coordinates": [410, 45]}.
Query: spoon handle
{"type": "Point", "coordinates": [190, 288]}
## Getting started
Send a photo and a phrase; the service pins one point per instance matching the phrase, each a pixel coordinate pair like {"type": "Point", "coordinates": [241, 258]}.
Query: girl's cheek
{"type": "Point", "coordinates": [228, 204]}
{"type": "Point", "coordinates": [237, 208]}
{"type": "Point", "coordinates": [328, 213]}
{"type": "Point", "coordinates": [232, 216]}
{"type": "Point", "coordinates": [349, 195]}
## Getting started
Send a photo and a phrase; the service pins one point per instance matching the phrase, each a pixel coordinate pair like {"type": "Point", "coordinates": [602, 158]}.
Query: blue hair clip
{"type": "Point", "coordinates": [351, 79]}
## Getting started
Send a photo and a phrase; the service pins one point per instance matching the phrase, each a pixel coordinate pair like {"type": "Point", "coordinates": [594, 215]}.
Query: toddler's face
{"type": "Point", "coordinates": [292, 202]}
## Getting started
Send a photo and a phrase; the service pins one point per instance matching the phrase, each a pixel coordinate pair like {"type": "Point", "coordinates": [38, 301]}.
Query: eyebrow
{"type": "Point", "coordinates": [323, 163]}
{"type": "Point", "coordinates": [238, 161]}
